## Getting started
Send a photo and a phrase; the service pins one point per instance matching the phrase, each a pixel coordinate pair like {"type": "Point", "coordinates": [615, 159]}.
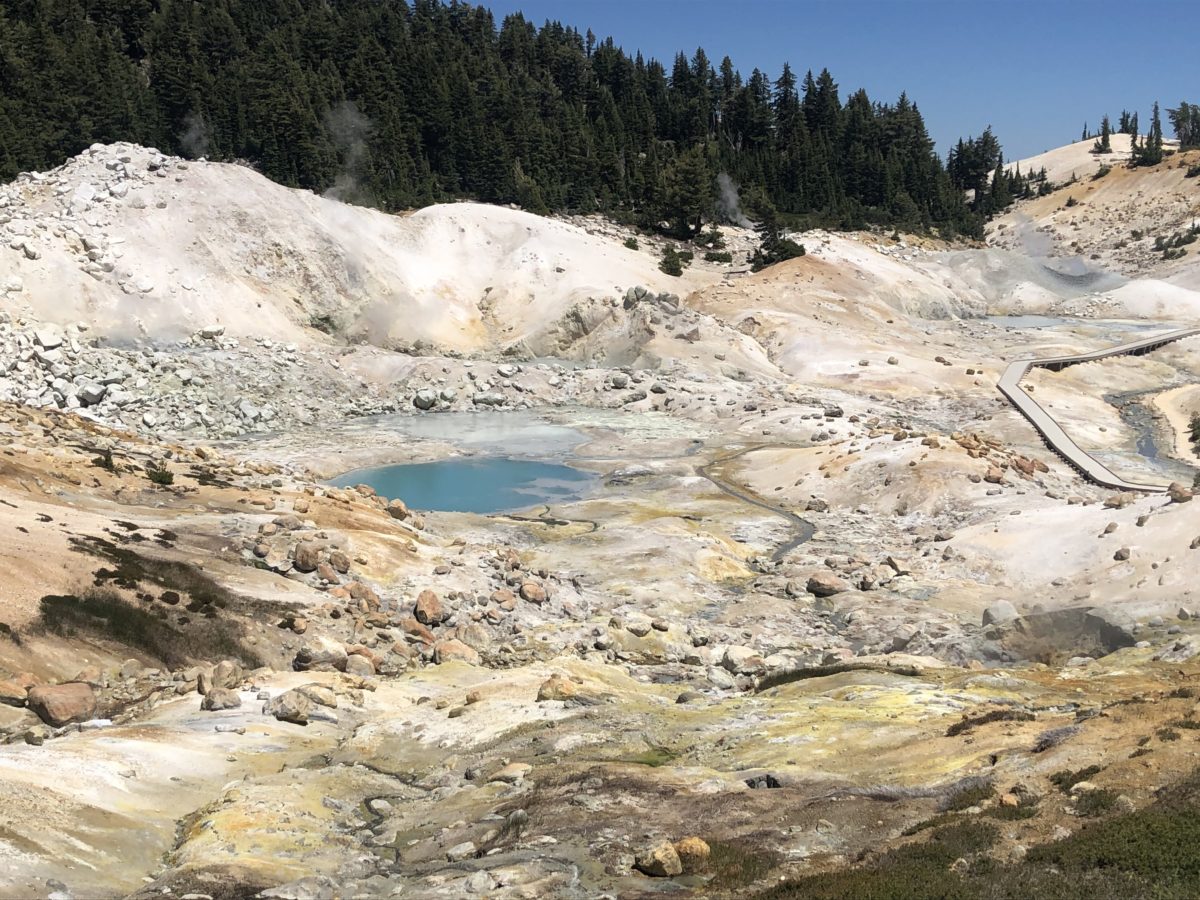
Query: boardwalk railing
{"type": "Point", "coordinates": [1057, 439]}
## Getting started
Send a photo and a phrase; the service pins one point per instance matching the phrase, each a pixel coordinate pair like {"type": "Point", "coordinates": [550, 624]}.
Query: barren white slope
{"type": "Point", "coordinates": [1077, 159]}
{"type": "Point", "coordinates": [138, 244]}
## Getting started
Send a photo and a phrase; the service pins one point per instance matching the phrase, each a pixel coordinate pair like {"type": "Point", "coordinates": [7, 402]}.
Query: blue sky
{"type": "Point", "coordinates": [1034, 70]}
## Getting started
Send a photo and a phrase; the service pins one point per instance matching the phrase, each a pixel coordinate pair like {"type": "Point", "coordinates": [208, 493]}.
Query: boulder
{"type": "Point", "coordinates": [659, 861]}
{"type": "Point", "coordinates": [220, 698]}
{"type": "Point", "coordinates": [454, 649]}
{"type": "Point", "coordinates": [306, 556]}
{"type": "Point", "coordinates": [320, 653]}
{"type": "Point", "coordinates": [319, 694]}
{"type": "Point", "coordinates": [429, 610]}
{"type": "Point", "coordinates": [227, 674]}
{"type": "Point", "coordinates": [48, 338]}
{"type": "Point", "coordinates": [693, 854]}
{"type": "Point", "coordinates": [59, 704]}
{"type": "Point", "coordinates": [742, 660]}
{"type": "Point", "coordinates": [825, 584]}
{"type": "Point", "coordinates": [533, 592]}
{"type": "Point", "coordinates": [13, 691]}
{"type": "Point", "coordinates": [397, 509]}
{"type": "Point", "coordinates": [356, 664]}
{"type": "Point", "coordinates": [425, 399]}
{"type": "Point", "coordinates": [513, 773]}
{"type": "Point", "coordinates": [290, 706]}
{"type": "Point", "coordinates": [1178, 493]}
{"type": "Point", "coordinates": [557, 687]}
{"type": "Point", "coordinates": [1000, 612]}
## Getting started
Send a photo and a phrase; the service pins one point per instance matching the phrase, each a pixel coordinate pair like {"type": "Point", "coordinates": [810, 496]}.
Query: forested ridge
{"type": "Point", "coordinates": [402, 104]}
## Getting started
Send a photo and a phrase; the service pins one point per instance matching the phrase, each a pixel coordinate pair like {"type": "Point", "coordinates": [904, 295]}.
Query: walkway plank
{"type": "Point", "coordinates": [1054, 435]}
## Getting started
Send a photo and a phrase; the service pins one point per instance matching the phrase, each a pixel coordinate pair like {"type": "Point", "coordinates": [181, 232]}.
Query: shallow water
{"type": "Point", "coordinates": [479, 485]}
{"type": "Point", "coordinates": [1037, 321]}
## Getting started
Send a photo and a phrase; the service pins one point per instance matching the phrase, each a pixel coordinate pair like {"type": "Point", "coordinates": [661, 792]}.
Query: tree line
{"type": "Point", "coordinates": [399, 104]}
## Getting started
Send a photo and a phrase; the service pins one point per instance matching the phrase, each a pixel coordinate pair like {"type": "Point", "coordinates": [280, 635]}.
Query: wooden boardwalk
{"type": "Point", "coordinates": [1054, 435]}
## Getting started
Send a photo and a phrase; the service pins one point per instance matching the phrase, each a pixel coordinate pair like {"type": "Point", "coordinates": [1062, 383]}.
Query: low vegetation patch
{"type": "Point", "coordinates": [1090, 804]}
{"type": "Point", "coordinates": [914, 871]}
{"type": "Point", "coordinates": [733, 865]}
{"type": "Point", "coordinates": [780, 678]}
{"type": "Point", "coordinates": [1066, 779]}
{"type": "Point", "coordinates": [968, 797]}
{"type": "Point", "coordinates": [1003, 714]}
{"type": "Point", "coordinates": [1152, 852]}
{"type": "Point", "coordinates": [104, 613]}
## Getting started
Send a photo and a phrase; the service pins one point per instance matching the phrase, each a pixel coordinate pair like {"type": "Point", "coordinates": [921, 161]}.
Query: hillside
{"type": "Point", "coordinates": [147, 247]}
{"type": "Point", "coordinates": [1114, 220]}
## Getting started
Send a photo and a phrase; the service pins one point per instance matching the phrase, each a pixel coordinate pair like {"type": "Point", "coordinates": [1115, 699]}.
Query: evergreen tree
{"type": "Point", "coordinates": [1103, 144]}
{"type": "Point", "coordinates": [773, 246]}
{"type": "Point", "coordinates": [1150, 152]}
{"type": "Point", "coordinates": [1185, 119]}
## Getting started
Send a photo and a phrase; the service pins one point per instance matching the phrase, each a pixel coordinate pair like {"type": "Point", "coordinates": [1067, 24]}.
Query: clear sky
{"type": "Point", "coordinates": [1034, 70]}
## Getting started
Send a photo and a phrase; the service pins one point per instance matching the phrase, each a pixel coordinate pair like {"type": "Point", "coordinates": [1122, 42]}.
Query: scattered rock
{"type": "Point", "coordinates": [557, 687]}
{"type": "Point", "coordinates": [291, 706]}
{"type": "Point", "coordinates": [220, 698]}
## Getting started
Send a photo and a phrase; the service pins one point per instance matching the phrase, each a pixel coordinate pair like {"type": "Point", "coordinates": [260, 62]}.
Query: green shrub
{"type": "Point", "coordinates": [1095, 803]}
{"type": "Point", "coordinates": [1026, 808]}
{"type": "Point", "coordinates": [105, 461]}
{"type": "Point", "coordinates": [733, 866]}
{"type": "Point", "coordinates": [718, 256]}
{"type": "Point", "coordinates": [968, 797]}
{"type": "Point", "coordinates": [1004, 714]}
{"type": "Point", "coordinates": [160, 475]}
{"type": "Point", "coordinates": [1071, 201]}
{"type": "Point", "coordinates": [672, 262]}
{"type": "Point", "coordinates": [631, 243]}
{"type": "Point", "coordinates": [1192, 171]}
{"type": "Point", "coordinates": [1101, 172]}
{"type": "Point", "coordinates": [1066, 779]}
{"type": "Point", "coordinates": [915, 871]}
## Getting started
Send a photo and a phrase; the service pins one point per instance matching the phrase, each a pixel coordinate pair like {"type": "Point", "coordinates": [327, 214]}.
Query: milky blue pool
{"type": "Point", "coordinates": [477, 485]}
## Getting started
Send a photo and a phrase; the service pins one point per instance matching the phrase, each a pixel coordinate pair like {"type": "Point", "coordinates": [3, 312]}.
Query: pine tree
{"type": "Point", "coordinates": [1103, 144]}
{"type": "Point", "coordinates": [1185, 119]}
{"type": "Point", "coordinates": [1150, 152]}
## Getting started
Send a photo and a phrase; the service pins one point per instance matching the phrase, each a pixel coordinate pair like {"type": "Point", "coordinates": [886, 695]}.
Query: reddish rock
{"type": "Point", "coordinates": [453, 649]}
{"type": "Point", "coordinates": [429, 609]}
{"type": "Point", "coordinates": [411, 626]}
{"type": "Point", "coordinates": [533, 592]}
{"type": "Point", "coordinates": [58, 704]}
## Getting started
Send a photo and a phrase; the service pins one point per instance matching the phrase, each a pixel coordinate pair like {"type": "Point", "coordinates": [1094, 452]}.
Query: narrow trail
{"type": "Point", "coordinates": [802, 529]}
